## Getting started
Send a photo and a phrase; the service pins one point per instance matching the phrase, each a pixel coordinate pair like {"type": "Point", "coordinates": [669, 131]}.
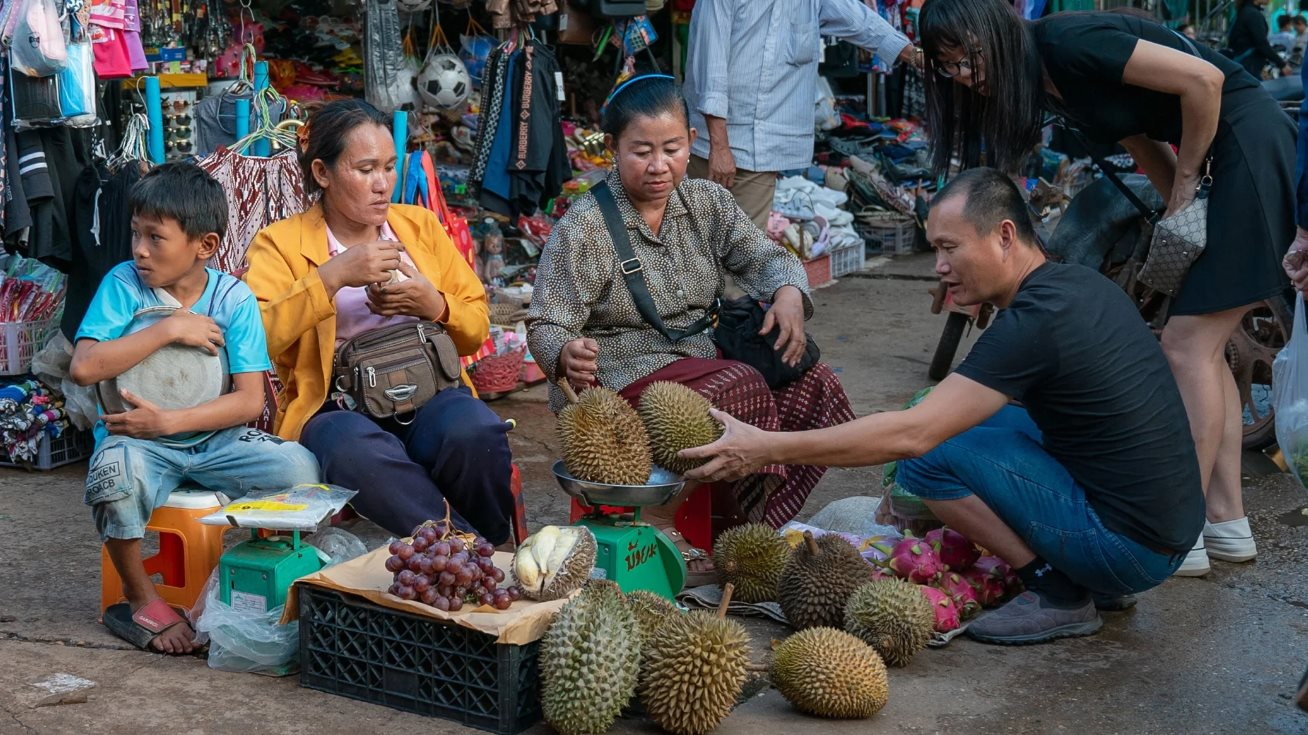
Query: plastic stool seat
{"type": "Point", "coordinates": [188, 550]}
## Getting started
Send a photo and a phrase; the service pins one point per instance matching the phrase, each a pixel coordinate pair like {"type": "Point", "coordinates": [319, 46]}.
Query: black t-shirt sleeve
{"type": "Point", "coordinates": [1015, 354]}
{"type": "Point", "coordinates": [1095, 53]}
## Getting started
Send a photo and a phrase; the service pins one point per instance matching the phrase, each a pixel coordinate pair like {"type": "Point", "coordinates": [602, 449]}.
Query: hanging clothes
{"type": "Point", "coordinates": [496, 81]}
{"type": "Point", "coordinates": [103, 235]}
{"type": "Point", "coordinates": [4, 157]}
{"type": "Point", "coordinates": [260, 191]}
{"type": "Point", "coordinates": [50, 161]}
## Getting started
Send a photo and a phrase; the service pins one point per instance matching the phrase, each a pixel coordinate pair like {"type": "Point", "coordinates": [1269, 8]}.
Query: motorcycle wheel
{"type": "Point", "coordinates": [947, 347]}
{"type": "Point", "coordinates": [1263, 331]}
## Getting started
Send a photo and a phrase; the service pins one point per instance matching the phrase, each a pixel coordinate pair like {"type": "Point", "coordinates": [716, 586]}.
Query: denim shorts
{"type": "Point", "coordinates": [129, 478]}
{"type": "Point", "coordinates": [1003, 462]}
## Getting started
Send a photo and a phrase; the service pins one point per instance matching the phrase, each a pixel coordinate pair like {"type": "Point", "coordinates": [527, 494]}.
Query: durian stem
{"type": "Point", "coordinates": [568, 392]}
{"type": "Point", "coordinates": [727, 589]}
{"type": "Point", "coordinates": [811, 542]}
{"type": "Point", "coordinates": [754, 668]}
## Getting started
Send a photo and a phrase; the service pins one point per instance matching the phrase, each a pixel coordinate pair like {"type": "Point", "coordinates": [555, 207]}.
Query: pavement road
{"type": "Point", "coordinates": [1214, 655]}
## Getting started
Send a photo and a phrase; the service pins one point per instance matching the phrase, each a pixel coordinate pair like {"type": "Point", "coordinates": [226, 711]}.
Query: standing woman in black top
{"type": "Point", "coordinates": [1248, 40]}
{"type": "Point", "coordinates": [994, 76]}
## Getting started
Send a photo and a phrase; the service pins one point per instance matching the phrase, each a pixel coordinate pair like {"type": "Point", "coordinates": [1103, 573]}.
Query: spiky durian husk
{"type": "Point", "coordinates": [814, 587]}
{"type": "Point", "coordinates": [589, 660]}
{"type": "Point", "coordinates": [693, 672]}
{"type": "Point", "coordinates": [752, 557]}
{"type": "Point", "coordinates": [893, 617]}
{"type": "Point", "coordinates": [604, 440]}
{"type": "Point", "coordinates": [830, 673]}
{"type": "Point", "coordinates": [676, 418]}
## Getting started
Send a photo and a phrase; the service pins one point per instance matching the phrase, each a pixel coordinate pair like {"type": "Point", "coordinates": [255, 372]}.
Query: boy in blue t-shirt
{"type": "Point", "coordinates": [179, 215]}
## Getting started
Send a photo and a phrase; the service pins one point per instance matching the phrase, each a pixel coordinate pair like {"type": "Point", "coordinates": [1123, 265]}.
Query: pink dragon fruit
{"type": "Point", "coordinates": [943, 606]}
{"type": "Point", "coordinates": [989, 591]}
{"type": "Point", "coordinates": [961, 592]}
{"type": "Point", "coordinates": [914, 560]}
{"type": "Point", "coordinates": [953, 548]}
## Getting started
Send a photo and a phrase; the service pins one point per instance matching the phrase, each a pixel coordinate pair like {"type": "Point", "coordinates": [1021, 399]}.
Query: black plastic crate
{"type": "Point", "coordinates": [354, 648]}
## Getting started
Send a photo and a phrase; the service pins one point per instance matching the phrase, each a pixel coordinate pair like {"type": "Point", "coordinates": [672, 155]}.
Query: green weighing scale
{"type": "Point", "coordinates": [631, 553]}
{"type": "Point", "coordinates": [255, 575]}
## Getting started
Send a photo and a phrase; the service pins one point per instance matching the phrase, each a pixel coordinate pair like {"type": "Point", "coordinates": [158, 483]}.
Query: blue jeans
{"type": "Point", "coordinates": [129, 478]}
{"type": "Point", "coordinates": [1004, 463]}
{"type": "Point", "coordinates": [455, 449]}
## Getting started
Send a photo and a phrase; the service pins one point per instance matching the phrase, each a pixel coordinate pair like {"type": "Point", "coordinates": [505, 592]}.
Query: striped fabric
{"type": "Point", "coordinates": [755, 63]}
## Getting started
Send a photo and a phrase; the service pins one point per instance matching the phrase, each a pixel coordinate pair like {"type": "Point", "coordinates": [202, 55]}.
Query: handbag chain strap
{"type": "Point", "coordinates": [632, 269]}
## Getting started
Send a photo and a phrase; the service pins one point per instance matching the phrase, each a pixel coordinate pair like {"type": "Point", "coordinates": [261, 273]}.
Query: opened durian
{"type": "Point", "coordinates": [693, 672]}
{"type": "Point", "coordinates": [818, 580]}
{"type": "Point", "coordinates": [604, 440]}
{"type": "Point", "coordinates": [830, 673]}
{"type": "Point", "coordinates": [751, 557]}
{"type": "Point", "coordinates": [676, 418]}
{"type": "Point", "coordinates": [589, 659]}
{"type": "Point", "coordinates": [554, 561]}
{"type": "Point", "coordinates": [892, 616]}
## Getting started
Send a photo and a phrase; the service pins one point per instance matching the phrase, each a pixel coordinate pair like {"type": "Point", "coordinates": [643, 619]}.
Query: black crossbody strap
{"type": "Point", "coordinates": [1111, 175]}
{"type": "Point", "coordinates": [632, 268]}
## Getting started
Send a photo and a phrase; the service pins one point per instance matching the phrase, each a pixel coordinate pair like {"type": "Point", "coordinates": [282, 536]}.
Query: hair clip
{"type": "Point", "coordinates": [618, 90]}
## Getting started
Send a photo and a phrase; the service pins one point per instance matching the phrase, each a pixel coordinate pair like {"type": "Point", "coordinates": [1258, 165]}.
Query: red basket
{"type": "Point", "coordinates": [498, 373]}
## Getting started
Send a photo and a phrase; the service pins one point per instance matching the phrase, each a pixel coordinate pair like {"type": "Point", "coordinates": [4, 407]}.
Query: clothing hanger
{"type": "Point", "coordinates": [280, 134]}
{"type": "Point", "coordinates": [132, 148]}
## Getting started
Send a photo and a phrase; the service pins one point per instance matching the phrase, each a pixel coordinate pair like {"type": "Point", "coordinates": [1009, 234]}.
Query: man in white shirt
{"type": "Point", "coordinates": [751, 75]}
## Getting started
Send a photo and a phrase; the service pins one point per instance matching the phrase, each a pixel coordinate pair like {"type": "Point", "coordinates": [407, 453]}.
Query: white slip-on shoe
{"type": "Point", "coordinates": [1230, 540]}
{"type": "Point", "coordinates": [1196, 561]}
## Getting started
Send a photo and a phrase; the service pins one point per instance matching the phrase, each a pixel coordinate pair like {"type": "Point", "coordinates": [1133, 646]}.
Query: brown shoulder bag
{"type": "Point", "coordinates": [392, 371]}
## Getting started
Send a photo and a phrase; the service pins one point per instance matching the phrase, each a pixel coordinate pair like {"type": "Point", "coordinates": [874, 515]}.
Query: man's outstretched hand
{"type": "Point", "coordinates": [739, 453]}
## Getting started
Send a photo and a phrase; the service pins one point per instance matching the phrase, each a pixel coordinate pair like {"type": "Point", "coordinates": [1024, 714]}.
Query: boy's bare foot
{"type": "Point", "coordinates": [177, 638]}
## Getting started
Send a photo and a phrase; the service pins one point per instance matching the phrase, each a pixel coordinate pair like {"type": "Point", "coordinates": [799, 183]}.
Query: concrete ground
{"type": "Point", "coordinates": [1214, 655]}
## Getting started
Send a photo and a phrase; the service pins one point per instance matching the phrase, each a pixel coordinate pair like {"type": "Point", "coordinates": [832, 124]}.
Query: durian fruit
{"type": "Point", "coordinates": [751, 557]}
{"type": "Point", "coordinates": [604, 440]}
{"type": "Point", "coordinates": [554, 561]}
{"type": "Point", "coordinates": [693, 670]}
{"type": "Point", "coordinates": [818, 580]}
{"type": "Point", "coordinates": [892, 616]}
{"type": "Point", "coordinates": [830, 673]}
{"type": "Point", "coordinates": [676, 418]}
{"type": "Point", "coordinates": [651, 612]}
{"type": "Point", "coordinates": [589, 659]}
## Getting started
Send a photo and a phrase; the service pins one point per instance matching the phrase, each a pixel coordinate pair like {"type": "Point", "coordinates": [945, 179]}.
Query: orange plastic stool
{"type": "Point", "coordinates": [188, 550]}
{"type": "Point", "coordinates": [694, 518]}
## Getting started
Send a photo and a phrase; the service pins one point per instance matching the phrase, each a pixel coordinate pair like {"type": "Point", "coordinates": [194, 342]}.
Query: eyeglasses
{"type": "Point", "coordinates": [951, 69]}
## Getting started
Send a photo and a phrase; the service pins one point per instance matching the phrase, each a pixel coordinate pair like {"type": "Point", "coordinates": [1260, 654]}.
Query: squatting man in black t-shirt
{"type": "Point", "coordinates": [1090, 489]}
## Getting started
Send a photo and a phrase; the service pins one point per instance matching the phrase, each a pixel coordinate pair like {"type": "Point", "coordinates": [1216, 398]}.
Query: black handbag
{"type": "Point", "coordinates": [735, 323]}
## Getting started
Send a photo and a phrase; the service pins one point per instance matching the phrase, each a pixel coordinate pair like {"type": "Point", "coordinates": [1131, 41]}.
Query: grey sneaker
{"type": "Point", "coordinates": [1109, 603]}
{"type": "Point", "coordinates": [1028, 618]}
{"type": "Point", "coordinates": [1301, 699]}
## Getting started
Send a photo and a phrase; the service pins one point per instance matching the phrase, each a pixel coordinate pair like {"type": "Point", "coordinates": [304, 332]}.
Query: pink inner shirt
{"type": "Point", "coordinates": [352, 315]}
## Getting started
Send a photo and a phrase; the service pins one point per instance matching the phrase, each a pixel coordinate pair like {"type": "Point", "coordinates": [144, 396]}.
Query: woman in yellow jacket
{"type": "Point", "coordinates": [325, 276]}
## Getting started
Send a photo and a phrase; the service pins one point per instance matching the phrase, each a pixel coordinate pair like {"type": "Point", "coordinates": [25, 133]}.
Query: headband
{"type": "Point", "coordinates": [618, 90]}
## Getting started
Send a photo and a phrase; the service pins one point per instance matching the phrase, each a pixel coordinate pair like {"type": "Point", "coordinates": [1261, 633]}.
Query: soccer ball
{"type": "Point", "coordinates": [412, 6]}
{"type": "Point", "coordinates": [443, 82]}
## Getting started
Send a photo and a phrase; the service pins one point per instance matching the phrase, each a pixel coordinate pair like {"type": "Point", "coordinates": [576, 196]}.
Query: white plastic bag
{"type": "Point", "coordinates": [302, 508]}
{"type": "Point", "coordinates": [825, 115]}
{"type": "Point", "coordinates": [244, 640]}
{"type": "Point", "coordinates": [39, 48]}
{"type": "Point", "coordinates": [1290, 395]}
{"type": "Point", "coordinates": [337, 545]}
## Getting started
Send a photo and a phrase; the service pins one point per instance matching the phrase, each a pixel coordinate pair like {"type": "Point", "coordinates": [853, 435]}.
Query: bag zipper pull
{"type": "Point", "coordinates": [372, 378]}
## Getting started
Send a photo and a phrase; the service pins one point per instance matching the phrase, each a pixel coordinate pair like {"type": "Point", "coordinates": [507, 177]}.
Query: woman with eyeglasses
{"type": "Point", "coordinates": [992, 79]}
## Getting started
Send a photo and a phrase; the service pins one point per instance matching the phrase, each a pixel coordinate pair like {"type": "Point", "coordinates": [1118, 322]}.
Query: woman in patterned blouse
{"type": "Point", "coordinates": [689, 235]}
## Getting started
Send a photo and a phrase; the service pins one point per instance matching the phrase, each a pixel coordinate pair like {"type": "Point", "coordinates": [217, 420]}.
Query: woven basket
{"type": "Point", "coordinates": [498, 373]}
{"type": "Point", "coordinates": [507, 315]}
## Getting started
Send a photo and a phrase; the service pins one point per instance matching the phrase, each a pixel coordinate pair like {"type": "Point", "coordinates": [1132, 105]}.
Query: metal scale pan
{"type": "Point", "coordinates": [173, 377]}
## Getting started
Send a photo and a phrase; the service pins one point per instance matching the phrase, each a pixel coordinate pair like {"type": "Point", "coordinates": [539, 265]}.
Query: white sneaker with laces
{"type": "Point", "coordinates": [1196, 561]}
{"type": "Point", "coordinates": [1230, 540]}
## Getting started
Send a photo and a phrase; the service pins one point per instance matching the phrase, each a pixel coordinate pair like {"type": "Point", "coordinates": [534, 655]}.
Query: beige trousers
{"type": "Point", "coordinates": [752, 190]}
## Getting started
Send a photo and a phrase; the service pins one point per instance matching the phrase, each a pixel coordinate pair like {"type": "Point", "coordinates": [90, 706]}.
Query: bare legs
{"type": "Point", "coordinates": [1195, 348]}
{"type": "Point", "coordinates": [126, 556]}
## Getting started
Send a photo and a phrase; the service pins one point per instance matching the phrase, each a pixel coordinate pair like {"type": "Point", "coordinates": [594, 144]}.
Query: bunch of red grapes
{"type": "Point", "coordinates": [439, 569]}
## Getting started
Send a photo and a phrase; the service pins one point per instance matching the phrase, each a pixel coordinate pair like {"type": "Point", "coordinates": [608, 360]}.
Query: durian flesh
{"type": "Point", "coordinates": [554, 561]}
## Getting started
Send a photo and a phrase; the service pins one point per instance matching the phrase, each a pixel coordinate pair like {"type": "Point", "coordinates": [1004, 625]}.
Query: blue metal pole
{"type": "Point", "coordinates": [242, 118]}
{"type": "Point", "coordinates": [154, 113]}
{"type": "Point", "coordinates": [262, 146]}
{"type": "Point", "coordinates": [401, 130]}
